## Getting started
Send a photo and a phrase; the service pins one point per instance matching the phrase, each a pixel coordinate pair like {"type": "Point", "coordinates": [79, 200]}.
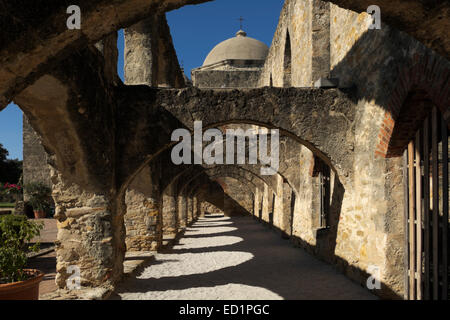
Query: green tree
{"type": "Point", "coordinates": [10, 169]}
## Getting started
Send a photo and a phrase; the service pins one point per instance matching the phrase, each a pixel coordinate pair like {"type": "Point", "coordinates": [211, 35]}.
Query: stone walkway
{"type": "Point", "coordinates": [47, 262]}
{"type": "Point", "coordinates": [237, 258]}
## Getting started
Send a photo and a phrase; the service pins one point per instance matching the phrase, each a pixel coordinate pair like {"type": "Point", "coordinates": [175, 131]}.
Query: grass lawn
{"type": "Point", "coordinates": [6, 205]}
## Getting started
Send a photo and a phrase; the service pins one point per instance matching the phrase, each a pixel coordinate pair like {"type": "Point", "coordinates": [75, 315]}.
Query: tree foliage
{"type": "Point", "coordinates": [10, 170]}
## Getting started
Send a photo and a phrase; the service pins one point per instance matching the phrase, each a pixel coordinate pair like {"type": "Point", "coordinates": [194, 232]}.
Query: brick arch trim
{"type": "Point", "coordinates": [429, 73]}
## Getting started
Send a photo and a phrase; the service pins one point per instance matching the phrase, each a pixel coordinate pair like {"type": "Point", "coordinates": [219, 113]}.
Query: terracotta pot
{"type": "Point", "coordinates": [22, 290]}
{"type": "Point", "coordinates": [39, 214]}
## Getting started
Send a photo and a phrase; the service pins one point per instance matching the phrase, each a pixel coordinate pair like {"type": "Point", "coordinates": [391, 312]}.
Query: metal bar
{"type": "Point", "coordinates": [426, 206]}
{"type": "Point", "coordinates": [435, 218]}
{"type": "Point", "coordinates": [412, 204]}
{"type": "Point", "coordinates": [444, 134]}
{"type": "Point", "coordinates": [321, 211]}
{"type": "Point", "coordinates": [418, 216]}
{"type": "Point", "coordinates": [406, 224]}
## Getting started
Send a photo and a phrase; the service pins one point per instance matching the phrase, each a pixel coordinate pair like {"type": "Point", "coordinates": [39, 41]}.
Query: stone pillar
{"type": "Point", "coordinates": [169, 210]}
{"type": "Point", "coordinates": [143, 232]}
{"type": "Point", "coordinates": [186, 210]}
{"type": "Point", "coordinates": [288, 210]}
{"type": "Point", "coordinates": [278, 208]}
{"type": "Point", "coordinates": [194, 208]}
{"type": "Point", "coordinates": [138, 54]}
{"type": "Point", "coordinates": [90, 234]}
{"type": "Point", "coordinates": [321, 56]}
{"type": "Point", "coordinates": [265, 206]}
{"type": "Point", "coordinates": [181, 208]}
{"type": "Point", "coordinates": [150, 56]}
{"type": "Point", "coordinates": [189, 210]}
{"type": "Point", "coordinates": [256, 202]}
{"type": "Point", "coordinates": [200, 213]}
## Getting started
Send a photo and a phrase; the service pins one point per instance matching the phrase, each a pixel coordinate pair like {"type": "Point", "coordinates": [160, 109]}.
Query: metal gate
{"type": "Point", "coordinates": [426, 211]}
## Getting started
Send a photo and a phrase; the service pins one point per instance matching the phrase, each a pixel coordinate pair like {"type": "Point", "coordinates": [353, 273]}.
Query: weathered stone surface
{"type": "Point", "coordinates": [46, 24]}
{"type": "Point", "coordinates": [114, 183]}
{"type": "Point", "coordinates": [427, 21]}
{"type": "Point", "coordinates": [150, 56]}
{"type": "Point", "coordinates": [35, 167]}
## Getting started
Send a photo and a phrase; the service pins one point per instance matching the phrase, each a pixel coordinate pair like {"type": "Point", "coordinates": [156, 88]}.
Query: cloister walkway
{"type": "Point", "coordinates": [221, 258]}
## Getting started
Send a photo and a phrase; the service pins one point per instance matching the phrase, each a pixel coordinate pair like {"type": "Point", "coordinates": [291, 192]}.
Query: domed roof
{"type": "Point", "coordinates": [240, 47]}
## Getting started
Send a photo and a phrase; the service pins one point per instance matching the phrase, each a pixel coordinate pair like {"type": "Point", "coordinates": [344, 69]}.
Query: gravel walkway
{"type": "Point", "coordinates": [237, 258]}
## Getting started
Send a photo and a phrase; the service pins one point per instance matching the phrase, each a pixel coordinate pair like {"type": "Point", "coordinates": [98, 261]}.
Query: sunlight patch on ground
{"type": "Point", "coordinates": [211, 242]}
{"type": "Point", "coordinates": [176, 265]}
{"type": "Point", "coordinates": [225, 292]}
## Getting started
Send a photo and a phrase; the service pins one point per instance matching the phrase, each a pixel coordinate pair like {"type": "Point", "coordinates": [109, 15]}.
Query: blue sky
{"type": "Point", "coordinates": [195, 31]}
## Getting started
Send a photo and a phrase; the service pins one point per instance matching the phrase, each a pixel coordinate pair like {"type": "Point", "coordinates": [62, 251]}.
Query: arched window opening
{"type": "Point", "coordinates": [287, 79]}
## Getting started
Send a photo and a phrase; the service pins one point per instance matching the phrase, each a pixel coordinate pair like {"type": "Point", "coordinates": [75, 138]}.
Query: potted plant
{"type": "Point", "coordinates": [17, 282]}
{"type": "Point", "coordinates": [39, 198]}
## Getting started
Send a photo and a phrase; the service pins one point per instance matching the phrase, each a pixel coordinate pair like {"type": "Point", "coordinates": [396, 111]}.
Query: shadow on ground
{"type": "Point", "coordinates": [237, 261]}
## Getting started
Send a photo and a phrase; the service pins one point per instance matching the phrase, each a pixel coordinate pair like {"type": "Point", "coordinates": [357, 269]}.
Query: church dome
{"type": "Point", "coordinates": [240, 47]}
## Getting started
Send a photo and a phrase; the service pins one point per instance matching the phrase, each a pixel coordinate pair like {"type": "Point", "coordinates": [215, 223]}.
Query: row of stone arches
{"type": "Point", "coordinates": [108, 140]}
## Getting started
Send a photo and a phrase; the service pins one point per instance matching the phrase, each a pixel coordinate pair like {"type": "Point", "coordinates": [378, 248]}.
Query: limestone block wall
{"type": "Point", "coordinates": [169, 212]}
{"type": "Point", "coordinates": [238, 198]}
{"type": "Point", "coordinates": [35, 167]}
{"type": "Point", "coordinates": [370, 231]}
{"type": "Point", "coordinates": [226, 78]}
{"type": "Point", "coordinates": [295, 18]}
{"type": "Point", "coordinates": [140, 222]}
{"type": "Point", "coordinates": [301, 46]}
{"type": "Point", "coordinates": [366, 214]}
{"type": "Point", "coordinates": [207, 207]}
{"type": "Point", "coordinates": [142, 217]}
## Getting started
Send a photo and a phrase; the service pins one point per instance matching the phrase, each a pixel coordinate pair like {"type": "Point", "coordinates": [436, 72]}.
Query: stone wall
{"type": "Point", "coordinates": [35, 166]}
{"type": "Point", "coordinates": [295, 22]}
{"type": "Point", "coordinates": [226, 79]}
{"type": "Point", "coordinates": [367, 210]}
{"type": "Point", "coordinates": [142, 217]}
{"type": "Point", "coordinates": [238, 198]}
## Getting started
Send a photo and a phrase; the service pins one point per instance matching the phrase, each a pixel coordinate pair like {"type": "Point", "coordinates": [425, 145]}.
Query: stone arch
{"type": "Point", "coordinates": [222, 170]}
{"type": "Point", "coordinates": [266, 107]}
{"type": "Point", "coordinates": [99, 19]}
{"type": "Point", "coordinates": [232, 201]}
{"type": "Point", "coordinates": [424, 83]}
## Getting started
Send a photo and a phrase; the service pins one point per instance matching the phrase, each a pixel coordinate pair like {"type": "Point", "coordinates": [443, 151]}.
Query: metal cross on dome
{"type": "Point", "coordinates": [241, 20]}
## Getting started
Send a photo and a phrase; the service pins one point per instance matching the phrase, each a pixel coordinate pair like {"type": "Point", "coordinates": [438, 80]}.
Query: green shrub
{"type": "Point", "coordinates": [15, 235]}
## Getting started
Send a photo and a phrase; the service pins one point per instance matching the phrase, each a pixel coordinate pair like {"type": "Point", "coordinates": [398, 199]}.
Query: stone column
{"type": "Point", "coordinates": [150, 56]}
{"type": "Point", "coordinates": [142, 214]}
{"type": "Point", "coordinates": [90, 234]}
{"type": "Point", "coordinates": [265, 204]}
{"type": "Point", "coordinates": [181, 212]}
{"type": "Point", "coordinates": [189, 210]}
{"type": "Point", "coordinates": [200, 213]}
{"type": "Point", "coordinates": [138, 54]}
{"type": "Point", "coordinates": [288, 210]}
{"type": "Point", "coordinates": [321, 61]}
{"type": "Point", "coordinates": [186, 210]}
{"type": "Point", "coordinates": [194, 208]}
{"type": "Point", "coordinates": [256, 202]}
{"type": "Point", "coordinates": [278, 204]}
{"type": "Point", "coordinates": [170, 223]}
